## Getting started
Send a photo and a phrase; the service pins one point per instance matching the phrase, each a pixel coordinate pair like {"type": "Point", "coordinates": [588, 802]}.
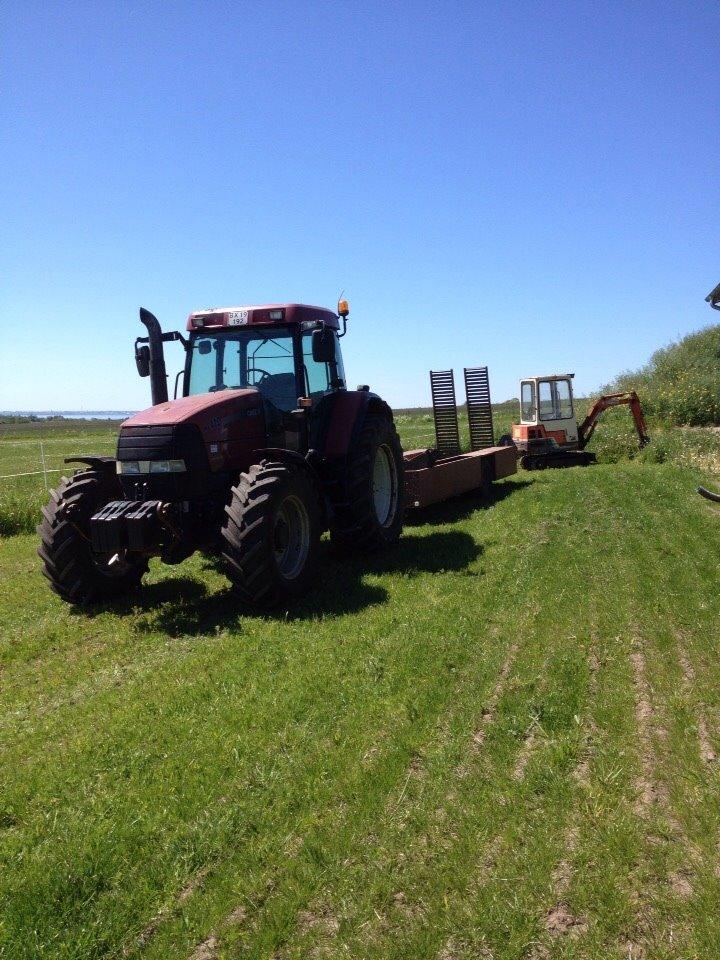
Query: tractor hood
{"type": "Point", "coordinates": [196, 409]}
{"type": "Point", "coordinates": [229, 424]}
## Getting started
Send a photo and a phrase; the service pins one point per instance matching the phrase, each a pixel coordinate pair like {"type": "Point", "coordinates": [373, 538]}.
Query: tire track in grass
{"type": "Point", "coordinates": [317, 918]}
{"type": "Point", "coordinates": [167, 910]}
{"type": "Point", "coordinates": [652, 593]}
{"type": "Point", "coordinates": [707, 751]}
{"type": "Point", "coordinates": [689, 607]}
{"type": "Point", "coordinates": [559, 921]}
{"type": "Point", "coordinates": [487, 715]}
{"type": "Point", "coordinates": [492, 850]}
{"type": "Point", "coordinates": [208, 949]}
{"type": "Point", "coordinates": [509, 859]}
{"type": "Point", "coordinates": [652, 800]}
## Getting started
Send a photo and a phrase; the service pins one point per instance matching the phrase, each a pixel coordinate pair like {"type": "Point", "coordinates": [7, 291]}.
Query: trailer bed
{"type": "Point", "coordinates": [430, 478]}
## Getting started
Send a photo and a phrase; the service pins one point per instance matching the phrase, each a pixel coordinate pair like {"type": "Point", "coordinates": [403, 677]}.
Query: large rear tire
{"type": "Point", "coordinates": [368, 515]}
{"type": "Point", "coordinates": [76, 572]}
{"type": "Point", "coordinates": [271, 534]}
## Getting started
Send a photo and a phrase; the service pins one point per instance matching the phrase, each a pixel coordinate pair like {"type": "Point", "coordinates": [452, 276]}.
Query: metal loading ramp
{"type": "Point", "coordinates": [479, 408]}
{"type": "Point", "coordinates": [447, 434]}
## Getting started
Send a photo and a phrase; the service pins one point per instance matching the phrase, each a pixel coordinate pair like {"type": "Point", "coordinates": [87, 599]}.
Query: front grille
{"type": "Point", "coordinates": [179, 441]}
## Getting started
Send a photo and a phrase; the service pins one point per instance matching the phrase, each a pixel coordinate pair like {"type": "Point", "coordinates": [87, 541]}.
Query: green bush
{"type": "Point", "coordinates": [680, 385]}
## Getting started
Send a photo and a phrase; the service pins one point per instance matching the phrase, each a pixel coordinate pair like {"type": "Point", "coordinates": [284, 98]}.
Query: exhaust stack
{"type": "Point", "coordinates": [158, 373]}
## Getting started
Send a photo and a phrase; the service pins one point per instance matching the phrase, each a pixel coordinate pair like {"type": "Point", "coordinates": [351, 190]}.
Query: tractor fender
{"type": "Point", "coordinates": [104, 465]}
{"type": "Point", "coordinates": [287, 456]}
{"type": "Point", "coordinates": [340, 419]}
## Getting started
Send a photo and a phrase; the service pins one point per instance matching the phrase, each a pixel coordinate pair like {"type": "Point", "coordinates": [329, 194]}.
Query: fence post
{"type": "Point", "coordinates": [42, 458]}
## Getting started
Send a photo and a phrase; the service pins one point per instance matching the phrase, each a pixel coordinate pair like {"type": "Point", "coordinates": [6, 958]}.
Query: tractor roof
{"type": "Point", "coordinates": [219, 317]}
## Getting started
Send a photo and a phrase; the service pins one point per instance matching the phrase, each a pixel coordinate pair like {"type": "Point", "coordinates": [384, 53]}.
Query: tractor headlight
{"type": "Point", "coordinates": [135, 468]}
{"type": "Point", "coordinates": [167, 466]}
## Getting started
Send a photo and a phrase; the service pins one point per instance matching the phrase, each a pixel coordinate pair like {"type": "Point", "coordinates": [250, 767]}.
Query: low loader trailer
{"type": "Point", "coordinates": [443, 472]}
{"type": "Point", "coordinates": [265, 449]}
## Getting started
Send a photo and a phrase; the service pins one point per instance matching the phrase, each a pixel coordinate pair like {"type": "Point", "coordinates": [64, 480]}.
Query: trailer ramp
{"type": "Point", "coordinates": [447, 433]}
{"type": "Point", "coordinates": [479, 408]}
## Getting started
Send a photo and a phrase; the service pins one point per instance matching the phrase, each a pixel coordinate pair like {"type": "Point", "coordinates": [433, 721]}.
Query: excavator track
{"type": "Point", "coordinates": [557, 458]}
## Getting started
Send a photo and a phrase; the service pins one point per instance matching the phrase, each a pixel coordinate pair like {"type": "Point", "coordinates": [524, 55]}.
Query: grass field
{"type": "Point", "coordinates": [497, 741]}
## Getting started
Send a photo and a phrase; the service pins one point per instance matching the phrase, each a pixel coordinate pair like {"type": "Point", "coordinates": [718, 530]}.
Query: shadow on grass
{"type": "Point", "coordinates": [450, 511]}
{"type": "Point", "coordinates": [182, 606]}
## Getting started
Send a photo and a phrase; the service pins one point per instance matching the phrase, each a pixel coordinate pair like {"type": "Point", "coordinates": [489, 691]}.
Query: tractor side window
{"type": "Point", "coordinates": [339, 362]}
{"type": "Point", "coordinates": [232, 377]}
{"type": "Point", "coordinates": [203, 369]}
{"type": "Point", "coordinates": [527, 402]}
{"type": "Point", "coordinates": [547, 407]}
{"type": "Point", "coordinates": [564, 400]}
{"type": "Point", "coordinates": [317, 375]}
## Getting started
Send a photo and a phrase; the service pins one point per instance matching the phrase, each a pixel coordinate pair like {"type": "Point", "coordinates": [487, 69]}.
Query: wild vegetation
{"type": "Point", "coordinates": [680, 385]}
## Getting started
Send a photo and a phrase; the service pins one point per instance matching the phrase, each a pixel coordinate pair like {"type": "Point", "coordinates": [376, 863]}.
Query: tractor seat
{"type": "Point", "coordinates": [279, 389]}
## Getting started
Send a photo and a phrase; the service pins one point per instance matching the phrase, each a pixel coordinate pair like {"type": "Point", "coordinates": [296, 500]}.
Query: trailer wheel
{"type": "Point", "coordinates": [271, 533]}
{"type": "Point", "coordinates": [369, 513]}
{"type": "Point", "coordinates": [76, 572]}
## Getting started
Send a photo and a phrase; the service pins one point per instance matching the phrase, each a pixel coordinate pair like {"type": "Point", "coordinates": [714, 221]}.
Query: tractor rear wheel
{"type": "Point", "coordinates": [271, 533]}
{"type": "Point", "coordinates": [369, 513]}
{"type": "Point", "coordinates": [76, 572]}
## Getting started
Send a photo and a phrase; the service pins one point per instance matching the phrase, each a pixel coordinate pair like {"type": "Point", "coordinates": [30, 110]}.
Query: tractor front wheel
{"type": "Point", "coordinates": [271, 534]}
{"type": "Point", "coordinates": [368, 515]}
{"type": "Point", "coordinates": [77, 573]}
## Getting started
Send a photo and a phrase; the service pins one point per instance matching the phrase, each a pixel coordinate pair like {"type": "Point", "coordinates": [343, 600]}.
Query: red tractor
{"type": "Point", "coordinates": [265, 449]}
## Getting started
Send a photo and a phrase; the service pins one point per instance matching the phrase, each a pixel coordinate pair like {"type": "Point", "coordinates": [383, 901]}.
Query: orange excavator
{"type": "Point", "coordinates": [549, 435]}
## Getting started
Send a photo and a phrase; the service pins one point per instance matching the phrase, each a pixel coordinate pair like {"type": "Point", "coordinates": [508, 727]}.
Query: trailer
{"type": "Point", "coordinates": [444, 472]}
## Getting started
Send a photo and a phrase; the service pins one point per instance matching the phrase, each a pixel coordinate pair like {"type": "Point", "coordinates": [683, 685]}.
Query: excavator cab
{"type": "Point", "coordinates": [547, 413]}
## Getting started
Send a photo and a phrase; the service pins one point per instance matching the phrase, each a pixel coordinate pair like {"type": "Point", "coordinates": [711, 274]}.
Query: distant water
{"type": "Point", "coordinates": [71, 414]}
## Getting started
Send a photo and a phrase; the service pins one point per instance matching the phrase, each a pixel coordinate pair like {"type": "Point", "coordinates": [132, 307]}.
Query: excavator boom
{"type": "Point", "coordinates": [587, 427]}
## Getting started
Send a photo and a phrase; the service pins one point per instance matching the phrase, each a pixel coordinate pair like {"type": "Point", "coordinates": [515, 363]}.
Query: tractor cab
{"type": "Point", "coordinates": [278, 360]}
{"type": "Point", "coordinates": [547, 414]}
{"type": "Point", "coordinates": [287, 351]}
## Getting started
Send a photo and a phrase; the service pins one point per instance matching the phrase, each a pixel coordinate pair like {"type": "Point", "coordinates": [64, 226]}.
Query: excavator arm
{"type": "Point", "coordinates": [587, 427]}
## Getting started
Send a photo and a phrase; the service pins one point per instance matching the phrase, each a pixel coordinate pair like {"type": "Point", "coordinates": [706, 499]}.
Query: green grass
{"type": "Point", "coordinates": [437, 754]}
{"type": "Point", "coordinates": [38, 449]}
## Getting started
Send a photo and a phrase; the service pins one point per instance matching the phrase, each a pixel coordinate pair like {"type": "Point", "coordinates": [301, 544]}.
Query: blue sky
{"type": "Point", "coordinates": [529, 185]}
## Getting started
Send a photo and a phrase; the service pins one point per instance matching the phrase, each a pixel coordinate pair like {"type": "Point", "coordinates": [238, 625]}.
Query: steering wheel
{"type": "Point", "coordinates": [265, 375]}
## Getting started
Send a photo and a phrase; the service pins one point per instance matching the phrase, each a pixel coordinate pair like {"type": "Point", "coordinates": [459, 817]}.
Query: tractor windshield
{"type": "Point", "coordinates": [259, 357]}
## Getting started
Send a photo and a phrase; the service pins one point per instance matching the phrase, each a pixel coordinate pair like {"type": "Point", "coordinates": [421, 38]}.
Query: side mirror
{"type": "Point", "coordinates": [142, 360]}
{"type": "Point", "coordinates": [323, 345]}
